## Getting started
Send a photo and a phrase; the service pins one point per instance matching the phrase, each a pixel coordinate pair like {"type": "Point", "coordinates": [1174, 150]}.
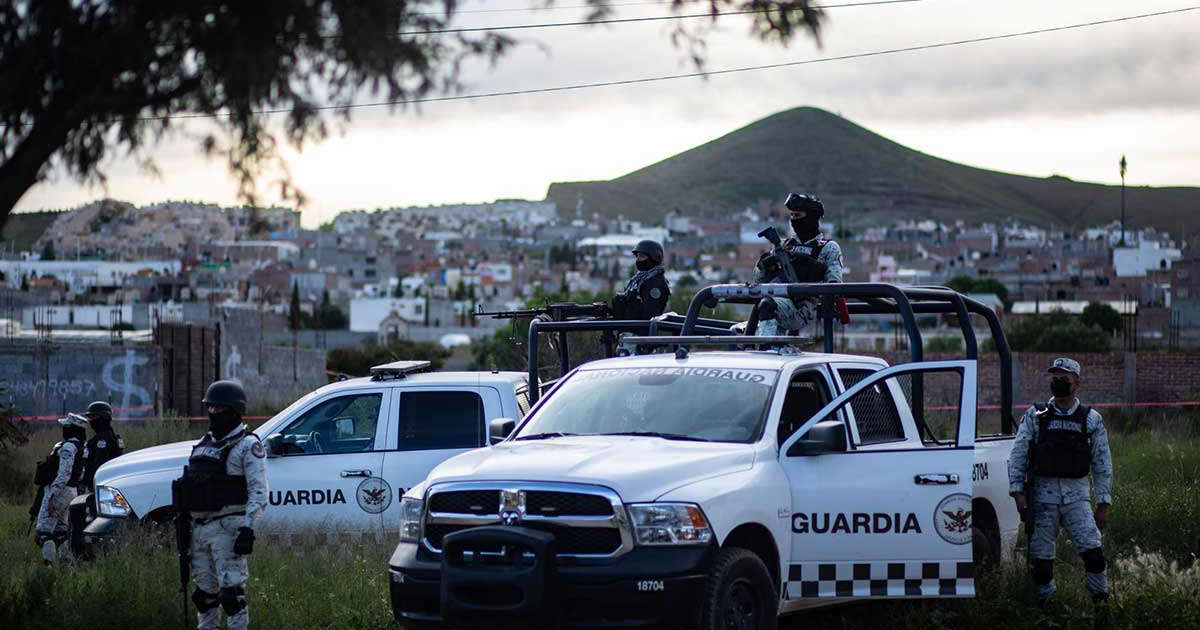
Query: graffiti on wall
{"type": "Point", "coordinates": [70, 380]}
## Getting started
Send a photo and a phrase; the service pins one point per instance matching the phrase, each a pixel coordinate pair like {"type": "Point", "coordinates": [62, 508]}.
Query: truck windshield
{"type": "Point", "coordinates": [684, 403]}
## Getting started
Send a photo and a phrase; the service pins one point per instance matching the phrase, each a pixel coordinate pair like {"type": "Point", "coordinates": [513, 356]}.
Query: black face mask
{"type": "Point", "coordinates": [1060, 386]}
{"type": "Point", "coordinates": [101, 423]}
{"type": "Point", "coordinates": [645, 265]}
{"type": "Point", "coordinates": [806, 228]}
{"type": "Point", "coordinates": [220, 424]}
{"type": "Point", "coordinates": [73, 432]}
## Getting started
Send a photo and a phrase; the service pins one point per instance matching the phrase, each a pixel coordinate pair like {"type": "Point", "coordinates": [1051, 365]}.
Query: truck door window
{"type": "Point", "coordinates": [440, 420]}
{"type": "Point", "coordinates": [875, 412]}
{"type": "Point", "coordinates": [938, 406]}
{"type": "Point", "coordinates": [345, 424]}
{"type": "Point", "coordinates": [523, 401]}
{"type": "Point", "coordinates": [806, 394]}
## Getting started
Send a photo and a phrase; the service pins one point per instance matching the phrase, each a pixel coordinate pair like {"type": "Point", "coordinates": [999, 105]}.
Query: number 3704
{"type": "Point", "coordinates": [650, 585]}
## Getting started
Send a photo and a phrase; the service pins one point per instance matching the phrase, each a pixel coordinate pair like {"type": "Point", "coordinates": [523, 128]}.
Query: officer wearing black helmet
{"type": "Point", "coordinates": [814, 258]}
{"type": "Point", "coordinates": [105, 443]}
{"type": "Point", "coordinates": [646, 294]}
{"type": "Point", "coordinates": [224, 488]}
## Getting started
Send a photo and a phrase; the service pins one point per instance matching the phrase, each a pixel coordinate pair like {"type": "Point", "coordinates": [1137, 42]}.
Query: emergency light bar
{"type": "Point", "coordinates": [397, 369]}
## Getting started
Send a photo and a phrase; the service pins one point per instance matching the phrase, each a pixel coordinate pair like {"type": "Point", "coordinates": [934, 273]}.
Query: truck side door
{"type": "Point", "coordinates": [427, 426]}
{"type": "Point", "coordinates": [330, 451]}
{"type": "Point", "coordinates": [883, 515]}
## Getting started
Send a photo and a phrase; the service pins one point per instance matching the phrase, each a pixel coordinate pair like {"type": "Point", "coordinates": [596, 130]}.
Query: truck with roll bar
{"type": "Point", "coordinates": [674, 486]}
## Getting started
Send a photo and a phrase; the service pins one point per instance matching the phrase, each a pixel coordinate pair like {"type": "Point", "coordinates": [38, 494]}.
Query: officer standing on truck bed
{"type": "Point", "coordinates": [1059, 443]}
{"type": "Point", "coordinates": [58, 477]}
{"type": "Point", "coordinates": [224, 488]}
{"type": "Point", "coordinates": [814, 259]}
{"type": "Point", "coordinates": [646, 294]}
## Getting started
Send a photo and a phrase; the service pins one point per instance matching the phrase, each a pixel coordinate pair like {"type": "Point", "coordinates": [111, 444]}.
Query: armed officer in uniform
{"type": "Point", "coordinates": [224, 487]}
{"type": "Point", "coordinates": [646, 294]}
{"type": "Point", "coordinates": [814, 258]}
{"type": "Point", "coordinates": [59, 476]}
{"type": "Point", "coordinates": [103, 446]}
{"type": "Point", "coordinates": [1059, 443]}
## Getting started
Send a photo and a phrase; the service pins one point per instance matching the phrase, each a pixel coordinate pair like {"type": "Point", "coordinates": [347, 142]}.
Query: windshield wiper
{"type": "Point", "coordinates": [665, 436]}
{"type": "Point", "coordinates": [544, 436]}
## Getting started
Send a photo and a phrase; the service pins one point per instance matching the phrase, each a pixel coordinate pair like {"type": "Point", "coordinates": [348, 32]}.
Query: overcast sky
{"type": "Point", "coordinates": [1067, 103]}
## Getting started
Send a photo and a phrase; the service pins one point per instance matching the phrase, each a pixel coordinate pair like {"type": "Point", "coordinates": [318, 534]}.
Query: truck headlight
{"type": "Point", "coordinates": [669, 524]}
{"type": "Point", "coordinates": [110, 502]}
{"type": "Point", "coordinates": [410, 519]}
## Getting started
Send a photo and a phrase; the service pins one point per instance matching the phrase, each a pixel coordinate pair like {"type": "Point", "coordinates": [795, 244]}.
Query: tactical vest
{"type": "Point", "coordinates": [1063, 449]}
{"type": "Point", "coordinates": [97, 454]}
{"type": "Point", "coordinates": [804, 261]}
{"type": "Point", "coordinates": [206, 486]}
{"type": "Point", "coordinates": [47, 469]}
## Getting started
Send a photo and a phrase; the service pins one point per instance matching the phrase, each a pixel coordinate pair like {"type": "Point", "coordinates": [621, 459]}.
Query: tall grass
{"type": "Point", "coordinates": [1151, 541]}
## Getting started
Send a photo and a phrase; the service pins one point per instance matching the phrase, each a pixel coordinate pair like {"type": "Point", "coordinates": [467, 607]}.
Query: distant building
{"type": "Point", "coordinates": [392, 328]}
{"type": "Point", "coordinates": [1134, 262]}
{"type": "Point", "coordinates": [367, 314]}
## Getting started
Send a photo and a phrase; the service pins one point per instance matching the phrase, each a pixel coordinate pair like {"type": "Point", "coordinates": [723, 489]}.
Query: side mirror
{"type": "Point", "coordinates": [826, 436]}
{"type": "Point", "coordinates": [275, 445]}
{"type": "Point", "coordinates": [343, 427]}
{"type": "Point", "coordinates": [499, 428]}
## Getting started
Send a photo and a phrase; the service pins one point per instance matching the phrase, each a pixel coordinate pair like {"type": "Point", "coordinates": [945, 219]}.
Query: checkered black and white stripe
{"type": "Point", "coordinates": [310, 542]}
{"type": "Point", "coordinates": [880, 579]}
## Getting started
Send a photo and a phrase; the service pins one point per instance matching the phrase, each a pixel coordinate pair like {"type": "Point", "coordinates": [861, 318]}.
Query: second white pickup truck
{"type": "Point", "coordinates": [712, 490]}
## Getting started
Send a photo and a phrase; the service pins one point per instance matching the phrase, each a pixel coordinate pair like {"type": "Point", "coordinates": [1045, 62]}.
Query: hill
{"type": "Point", "coordinates": [863, 178]}
{"type": "Point", "coordinates": [23, 229]}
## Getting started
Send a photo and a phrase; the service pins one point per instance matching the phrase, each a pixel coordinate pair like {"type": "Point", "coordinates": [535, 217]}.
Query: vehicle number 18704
{"type": "Point", "coordinates": [650, 585]}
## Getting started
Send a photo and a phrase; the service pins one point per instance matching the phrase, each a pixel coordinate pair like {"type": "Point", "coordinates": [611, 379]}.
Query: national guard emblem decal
{"type": "Point", "coordinates": [952, 519]}
{"type": "Point", "coordinates": [374, 495]}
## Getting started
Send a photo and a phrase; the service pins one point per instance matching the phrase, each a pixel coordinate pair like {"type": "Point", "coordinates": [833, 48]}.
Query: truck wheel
{"type": "Point", "coordinates": [985, 548]}
{"type": "Point", "coordinates": [739, 594]}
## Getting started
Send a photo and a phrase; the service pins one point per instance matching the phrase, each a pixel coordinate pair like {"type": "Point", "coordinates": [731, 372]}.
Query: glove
{"type": "Point", "coordinates": [243, 545]}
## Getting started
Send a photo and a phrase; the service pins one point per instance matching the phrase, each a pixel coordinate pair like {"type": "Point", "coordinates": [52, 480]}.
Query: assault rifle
{"type": "Point", "coordinates": [557, 312]}
{"type": "Point", "coordinates": [779, 257]}
{"type": "Point", "coordinates": [183, 541]}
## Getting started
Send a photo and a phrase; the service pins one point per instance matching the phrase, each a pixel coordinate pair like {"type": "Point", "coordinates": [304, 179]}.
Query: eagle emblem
{"type": "Point", "coordinates": [374, 495]}
{"type": "Point", "coordinates": [959, 521]}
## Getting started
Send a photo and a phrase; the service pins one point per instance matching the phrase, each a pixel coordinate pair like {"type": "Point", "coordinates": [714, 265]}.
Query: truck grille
{"type": "Point", "coordinates": [585, 519]}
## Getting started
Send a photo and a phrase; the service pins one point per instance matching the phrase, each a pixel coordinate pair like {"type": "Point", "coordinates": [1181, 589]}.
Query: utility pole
{"type": "Point", "coordinates": [1122, 164]}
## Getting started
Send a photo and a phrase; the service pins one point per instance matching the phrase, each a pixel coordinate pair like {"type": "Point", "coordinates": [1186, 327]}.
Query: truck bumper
{"type": "Point", "coordinates": [645, 588]}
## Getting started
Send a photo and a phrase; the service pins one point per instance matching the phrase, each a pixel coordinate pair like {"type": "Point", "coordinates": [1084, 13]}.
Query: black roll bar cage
{"type": "Point", "coordinates": [667, 323]}
{"type": "Point", "coordinates": [874, 298]}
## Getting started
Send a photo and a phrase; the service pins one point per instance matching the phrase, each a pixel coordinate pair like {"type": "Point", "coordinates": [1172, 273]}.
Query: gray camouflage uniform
{"type": "Point", "coordinates": [793, 316]}
{"type": "Point", "coordinates": [215, 567]}
{"type": "Point", "coordinates": [1065, 502]}
{"type": "Point", "coordinates": [52, 525]}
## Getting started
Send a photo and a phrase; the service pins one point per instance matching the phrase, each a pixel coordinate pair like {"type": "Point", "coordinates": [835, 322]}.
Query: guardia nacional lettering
{"type": "Point", "coordinates": [856, 523]}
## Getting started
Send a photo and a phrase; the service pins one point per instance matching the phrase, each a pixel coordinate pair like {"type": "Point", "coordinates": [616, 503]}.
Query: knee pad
{"type": "Point", "coordinates": [203, 600]}
{"type": "Point", "coordinates": [40, 539]}
{"type": "Point", "coordinates": [767, 309]}
{"type": "Point", "coordinates": [233, 600]}
{"type": "Point", "coordinates": [1043, 571]}
{"type": "Point", "coordinates": [1093, 560]}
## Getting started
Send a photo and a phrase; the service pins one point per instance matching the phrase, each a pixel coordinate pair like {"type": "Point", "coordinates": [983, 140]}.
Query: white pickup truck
{"type": "Point", "coordinates": [339, 457]}
{"type": "Point", "coordinates": [711, 489]}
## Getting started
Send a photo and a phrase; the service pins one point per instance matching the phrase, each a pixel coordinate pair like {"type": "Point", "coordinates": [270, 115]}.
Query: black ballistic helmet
{"type": "Point", "coordinates": [652, 249]}
{"type": "Point", "coordinates": [226, 393]}
{"type": "Point", "coordinates": [808, 203]}
{"type": "Point", "coordinates": [100, 409]}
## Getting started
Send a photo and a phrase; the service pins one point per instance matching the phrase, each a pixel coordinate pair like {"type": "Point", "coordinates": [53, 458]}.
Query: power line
{"type": "Point", "coordinates": [655, 18]}
{"type": "Point", "coordinates": [535, 8]}
{"type": "Point", "coordinates": [705, 73]}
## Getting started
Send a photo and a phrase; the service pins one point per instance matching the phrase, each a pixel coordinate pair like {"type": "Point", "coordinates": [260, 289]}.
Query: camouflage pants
{"type": "Point", "coordinates": [1077, 518]}
{"type": "Point", "coordinates": [215, 567]}
{"type": "Point", "coordinates": [52, 525]}
{"type": "Point", "coordinates": [788, 316]}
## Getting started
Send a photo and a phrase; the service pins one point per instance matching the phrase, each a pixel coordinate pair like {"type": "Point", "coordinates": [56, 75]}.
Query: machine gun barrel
{"type": "Point", "coordinates": [558, 312]}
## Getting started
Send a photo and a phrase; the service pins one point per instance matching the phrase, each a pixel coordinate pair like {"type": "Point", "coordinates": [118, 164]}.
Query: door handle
{"type": "Point", "coordinates": [936, 479]}
{"type": "Point", "coordinates": [356, 473]}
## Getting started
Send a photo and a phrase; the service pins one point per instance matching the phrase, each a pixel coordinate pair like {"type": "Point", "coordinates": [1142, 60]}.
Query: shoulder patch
{"type": "Point", "coordinates": [655, 293]}
{"type": "Point", "coordinates": [102, 444]}
{"type": "Point", "coordinates": [121, 442]}
{"type": "Point", "coordinates": [258, 450]}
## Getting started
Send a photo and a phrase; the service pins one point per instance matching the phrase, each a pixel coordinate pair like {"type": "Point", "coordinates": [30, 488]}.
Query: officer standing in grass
{"type": "Point", "coordinates": [224, 486]}
{"type": "Point", "coordinates": [1059, 444]}
{"type": "Point", "coordinates": [59, 476]}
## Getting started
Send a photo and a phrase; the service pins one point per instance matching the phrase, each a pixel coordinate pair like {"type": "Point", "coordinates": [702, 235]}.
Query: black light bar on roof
{"type": "Point", "coordinates": [397, 369]}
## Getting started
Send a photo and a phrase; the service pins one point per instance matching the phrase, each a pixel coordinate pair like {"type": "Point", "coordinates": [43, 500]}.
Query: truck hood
{"type": "Point", "coordinates": [166, 457]}
{"type": "Point", "coordinates": [638, 468]}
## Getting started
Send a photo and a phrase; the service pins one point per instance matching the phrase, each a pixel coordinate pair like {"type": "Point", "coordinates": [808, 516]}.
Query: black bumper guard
{"type": "Point", "coordinates": [479, 583]}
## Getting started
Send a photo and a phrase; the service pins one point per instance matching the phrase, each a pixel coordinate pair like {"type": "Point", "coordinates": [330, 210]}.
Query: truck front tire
{"type": "Point", "coordinates": [739, 593]}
